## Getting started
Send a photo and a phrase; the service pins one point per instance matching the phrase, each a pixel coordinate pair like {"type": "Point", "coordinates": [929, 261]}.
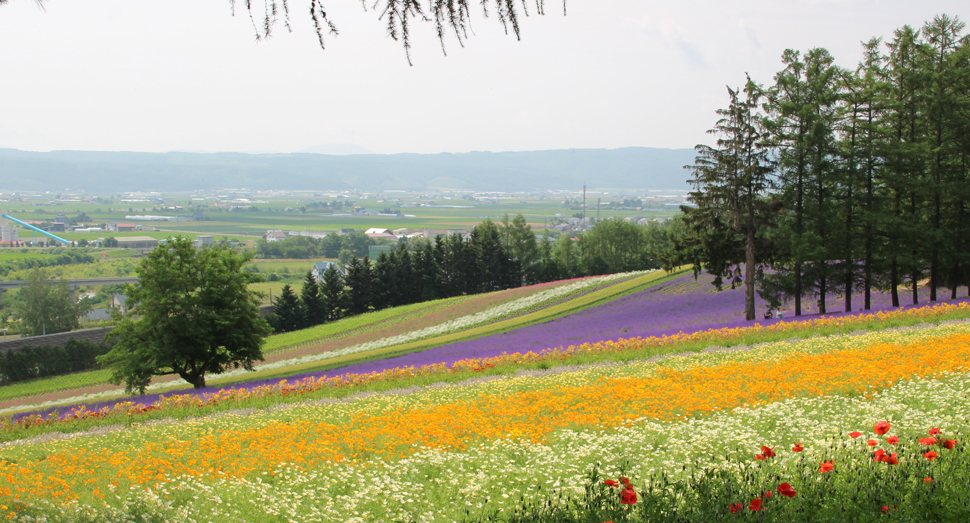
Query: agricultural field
{"type": "Point", "coordinates": [853, 416]}
{"type": "Point", "coordinates": [443, 212]}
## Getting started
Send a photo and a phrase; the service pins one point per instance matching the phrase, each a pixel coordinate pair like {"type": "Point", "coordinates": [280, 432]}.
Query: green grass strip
{"type": "Point", "coordinates": [55, 383]}
{"type": "Point", "coordinates": [354, 324]}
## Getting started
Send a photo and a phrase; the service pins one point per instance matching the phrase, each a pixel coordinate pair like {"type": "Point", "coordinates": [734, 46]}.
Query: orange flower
{"type": "Point", "coordinates": [827, 466]}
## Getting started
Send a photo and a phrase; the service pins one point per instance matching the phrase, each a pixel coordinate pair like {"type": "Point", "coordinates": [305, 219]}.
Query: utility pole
{"type": "Point", "coordinates": [584, 203]}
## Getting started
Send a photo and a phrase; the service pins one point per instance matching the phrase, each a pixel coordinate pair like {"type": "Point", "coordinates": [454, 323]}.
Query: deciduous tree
{"type": "Point", "coordinates": [191, 314]}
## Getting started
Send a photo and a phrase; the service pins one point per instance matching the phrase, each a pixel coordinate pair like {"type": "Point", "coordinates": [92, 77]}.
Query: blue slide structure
{"type": "Point", "coordinates": [31, 227]}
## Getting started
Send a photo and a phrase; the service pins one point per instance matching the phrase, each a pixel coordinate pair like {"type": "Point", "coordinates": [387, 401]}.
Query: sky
{"type": "Point", "coordinates": [138, 75]}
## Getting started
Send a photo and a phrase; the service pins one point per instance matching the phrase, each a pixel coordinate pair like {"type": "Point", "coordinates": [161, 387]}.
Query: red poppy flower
{"type": "Point", "coordinates": [766, 494]}
{"type": "Point", "coordinates": [893, 460]}
{"type": "Point", "coordinates": [827, 466]}
{"type": "Point", "coordinates": [759, 457]}
{"type": "Point", "coordinates": [797, 448]}
{"type": "Point", "coordinates": [926, 442]}
{"type": "Point", "coordinates": [628, 496]}
{"type": "Point", "coordinates": [886, 508]}
{"type": "Point", "coordinates": [735, 508]}
{"type": "Point", "coordinates": [892, 440]}
{"type": "Point", "coordinates": [948, 443]}
{"type": "Point", "coordinates": [611, 483]}
{"type": "Point", "coordinates": [624, 480]}
{"type": "Point", "coordinates": [872, 443]}
{"type": "Point", "coordinates": [878, 454]}
{"type": "Point", "coordinates": [755, 505]}
{"type": "Point", "coordinates": [767, 452]}
{"type": "Point", "coordinates": [881, 428]}
{"type": "Point", "coordinates": [927, 480]}
{"type": "Point", "coordinates": [785, 490]}
{"type": "Point", "coordinates": [855, 434]}
{"type": "Point", "coordinates": [931, 455]}
{"type": "Point", "coordinates": [935, 431]}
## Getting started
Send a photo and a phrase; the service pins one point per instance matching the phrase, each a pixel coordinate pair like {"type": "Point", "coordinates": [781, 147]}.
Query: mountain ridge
{"type": "Point", "coordinates": [555, 169]}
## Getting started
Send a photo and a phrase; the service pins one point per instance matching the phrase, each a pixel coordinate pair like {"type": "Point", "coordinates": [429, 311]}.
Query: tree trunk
{"type": "Point", "coordinates": [749, 311]}
{"type": "Point", "coordinates": [821, 293]}
{"type": "Point", "coordinates": [894, 282]}
{"type": "Point", "coordinates": [915, 278]}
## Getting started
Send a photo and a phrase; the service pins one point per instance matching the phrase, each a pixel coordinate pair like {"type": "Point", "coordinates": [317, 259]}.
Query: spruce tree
{"type": "Point", "coordinates": [312, 301]}
{"type": "Point", "coordinates": [332, 294]}
{"type": "Point", "coordinates": [732, 183]}
{"type": "Point", "coordinates": [289, 312]}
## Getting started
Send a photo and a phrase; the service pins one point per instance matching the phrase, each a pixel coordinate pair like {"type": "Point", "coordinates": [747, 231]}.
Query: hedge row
{"type": "Point", "coordinates": [38, 362]}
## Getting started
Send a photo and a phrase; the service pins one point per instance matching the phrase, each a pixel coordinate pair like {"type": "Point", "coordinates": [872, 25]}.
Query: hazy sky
{"type": "Point", "coordinates": [143, 75]}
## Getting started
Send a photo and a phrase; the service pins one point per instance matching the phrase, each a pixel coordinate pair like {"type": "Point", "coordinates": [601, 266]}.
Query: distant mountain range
{"type": "Point", "coordinates": [103, 172]}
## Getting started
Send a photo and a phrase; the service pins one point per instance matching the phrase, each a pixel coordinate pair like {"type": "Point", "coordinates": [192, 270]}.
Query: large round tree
{"type": "Point", "coordinates": [191, 314]}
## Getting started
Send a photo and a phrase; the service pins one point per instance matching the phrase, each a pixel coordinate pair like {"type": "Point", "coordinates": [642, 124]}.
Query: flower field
{"type": "Point", "coordinates": [498, 445]}
{"type": "Point", "coordinates": [347, 336]}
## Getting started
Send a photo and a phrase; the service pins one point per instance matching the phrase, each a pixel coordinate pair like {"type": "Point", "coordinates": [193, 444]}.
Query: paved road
{"type": "Point", "coordinates": [74, 283]}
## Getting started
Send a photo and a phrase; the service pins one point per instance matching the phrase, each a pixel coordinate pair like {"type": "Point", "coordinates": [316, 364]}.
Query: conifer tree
{"type": "Point", "coordinates": [312, 301]}
{"type": "Point", "coordinates": [732, 183]}
{"type": "Point", "coordinates": [289, 312]}
{"type": "Point", "coordinates": [332, 294]}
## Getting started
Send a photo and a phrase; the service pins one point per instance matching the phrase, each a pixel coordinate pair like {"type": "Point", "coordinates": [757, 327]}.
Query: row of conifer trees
{"type": "Point", "coordinates": [839, 181]}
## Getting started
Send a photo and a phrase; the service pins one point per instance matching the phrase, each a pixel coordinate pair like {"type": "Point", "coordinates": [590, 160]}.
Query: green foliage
{"type": "Point", "coordinates": [192, 314]}
{"type": "Point", "coordinates": [38, 362]}
{"type": "Point", "coordinates": [613, 246]}
{"type": "Point", "coordinates": [313, 304]}
{"type": "Point", "coordinates": [45, 307]}
{"type": "Point", "coordinates": [332, 294]}
{"type": "Point", "coordinates": [288, 312]}
{"type": "Point", "coordinates": [57, 257]}
{"type": "Point", "coordinates": [304, 247]}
